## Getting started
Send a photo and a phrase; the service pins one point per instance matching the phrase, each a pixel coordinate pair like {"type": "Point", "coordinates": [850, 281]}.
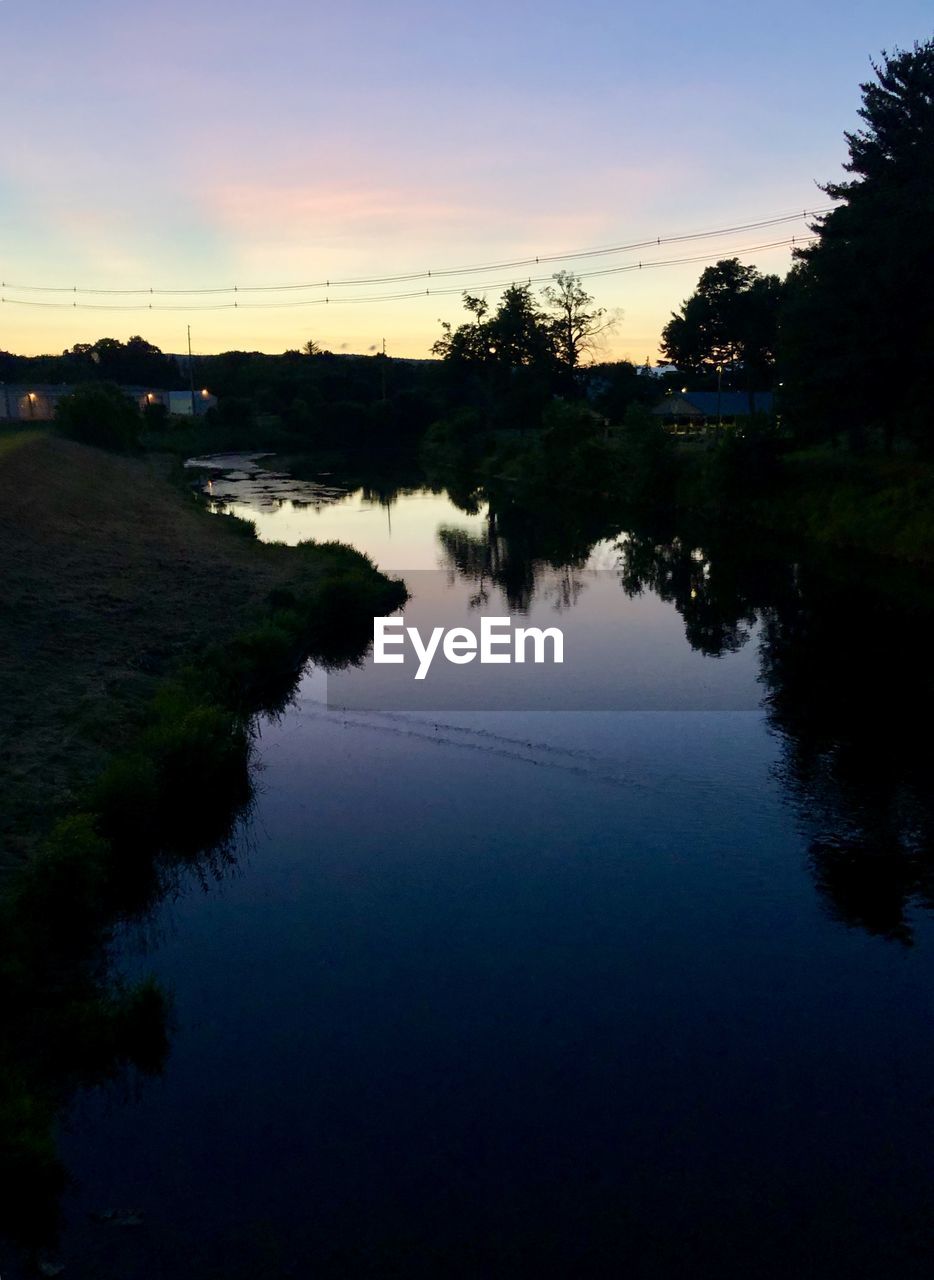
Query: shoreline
{"type": "Point", "coordinates": [116, 575]}
{"type": "Point", "coordinates": [166, 795]}
{"type": "Point", "coordinates": [834, 502]}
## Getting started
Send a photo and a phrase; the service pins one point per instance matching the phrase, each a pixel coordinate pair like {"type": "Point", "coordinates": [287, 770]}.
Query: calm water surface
{"type": "Point", "coordinates": [525, 993]}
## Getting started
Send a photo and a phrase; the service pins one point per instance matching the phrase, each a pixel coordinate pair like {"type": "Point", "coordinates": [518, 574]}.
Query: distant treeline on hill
{"type": "Point", "coordinates": [135, 363]}
{"type": "Point", "coordinates": [369, 400]}
{"type": "Point", "coordinates": [334, 399]}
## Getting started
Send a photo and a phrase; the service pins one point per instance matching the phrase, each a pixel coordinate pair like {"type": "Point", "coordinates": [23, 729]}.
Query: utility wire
{"type": "Point", "coordinates": [447, 272]}
{"type": "Point", "coordinates": [504, 284]}
{"type": "Point", "coordinates": [400, 297]}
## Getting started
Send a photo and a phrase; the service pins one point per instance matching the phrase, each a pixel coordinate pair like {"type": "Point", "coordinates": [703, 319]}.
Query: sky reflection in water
{"type": "Point", "coordinates": [522, 993]}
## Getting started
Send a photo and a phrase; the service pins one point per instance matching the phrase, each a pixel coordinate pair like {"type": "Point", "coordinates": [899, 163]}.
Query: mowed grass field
{"type": "Point", "coordinates": [110, 572]}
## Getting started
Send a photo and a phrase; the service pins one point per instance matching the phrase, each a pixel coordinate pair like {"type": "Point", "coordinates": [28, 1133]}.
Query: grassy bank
{"type": "Point", "coordinates": [113, 576]}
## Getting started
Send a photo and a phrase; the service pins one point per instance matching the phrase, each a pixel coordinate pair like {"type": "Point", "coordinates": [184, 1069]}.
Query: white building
{"type": "Point", "coordinates": [21, 402]}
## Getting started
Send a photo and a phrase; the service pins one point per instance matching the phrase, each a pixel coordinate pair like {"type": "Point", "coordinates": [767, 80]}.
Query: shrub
{"type": "Point", "coordinates": [199, 751]}
{"type": "Point", "coordinates": [99, 414]}
{"type": "Point", "coordinates": [646, 457]}
{"type": "Point", "coordinates": [63, 886]}
{"type": "Point", "coordinates": [234, 413]}
{"type": "Point", "coordinates": [126, 797]}
{"type": "Point", "coordinates": [155, 416]}
{"type": "Point", "coordinates": [746, 464]}
{"type": "Point", "coordinates": [114, 1027]}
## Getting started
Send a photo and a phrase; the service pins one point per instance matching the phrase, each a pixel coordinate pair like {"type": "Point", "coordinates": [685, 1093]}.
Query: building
{"type": "Point", "coordinates": [35, 402]}
{"type": "Point", "coordinates": [180, 402]}
{"type": "Point", "coordinates": [696, 410]}
{"type": "Point", "coordinates": [20, 402]}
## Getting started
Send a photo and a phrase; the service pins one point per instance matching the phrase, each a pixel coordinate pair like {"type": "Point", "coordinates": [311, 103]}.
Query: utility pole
{"type": "Point", "coordinates": [383, 370]}
{"type": "Point", "coordinates": [191, 374]}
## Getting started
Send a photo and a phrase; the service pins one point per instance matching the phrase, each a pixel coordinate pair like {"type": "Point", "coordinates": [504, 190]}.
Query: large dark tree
{"type": "Point", "coordinates": [135, 361]}
{"type": "Point", "coordinates": [502, 364]}
{"type": "Point", "coordinates": [859, 328]}
{"type": "Point", "coordinates": [517, 333]}
{"type": "Point", "coordinates": [730, 323]}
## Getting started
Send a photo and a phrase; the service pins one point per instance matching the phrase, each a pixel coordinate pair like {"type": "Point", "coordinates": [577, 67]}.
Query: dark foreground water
{"type": "Point", "coordinates": [518, 993]}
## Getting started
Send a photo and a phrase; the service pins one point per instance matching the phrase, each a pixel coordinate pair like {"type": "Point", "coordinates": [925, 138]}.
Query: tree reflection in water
{"type": "Point", "coordinates": [847, 678]}
{"type": "Point", "coordinates": [844, 653]}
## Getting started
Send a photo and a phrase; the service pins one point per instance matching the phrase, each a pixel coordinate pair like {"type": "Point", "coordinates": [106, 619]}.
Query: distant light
{"type": "Point", "coordinates": [205, 393]}
{"type": "Point", "coordinates": [683, 390]}
{"type": "Point", "coordinates": [32, 396]}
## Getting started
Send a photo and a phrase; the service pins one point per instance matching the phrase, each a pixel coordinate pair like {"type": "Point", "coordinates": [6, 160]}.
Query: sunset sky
{"type": "Point", "coordinates": [208, 143]}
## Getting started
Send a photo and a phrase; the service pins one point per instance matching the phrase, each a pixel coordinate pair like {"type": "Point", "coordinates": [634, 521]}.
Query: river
{"type": "Point", "coordinates": [640, 988]}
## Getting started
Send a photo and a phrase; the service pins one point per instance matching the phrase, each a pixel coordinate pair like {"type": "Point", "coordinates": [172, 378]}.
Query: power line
{"type": "Point", "coordinates": [400, 297]}
{"type": "Point", "coordinates": [444, 273]}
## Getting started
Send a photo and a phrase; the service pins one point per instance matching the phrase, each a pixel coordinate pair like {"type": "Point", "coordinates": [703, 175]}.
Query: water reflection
{"type": "Point", "coordinates": [844, 654]}
{"type": "Point", "coordinates": [843, 651]}
{"type": "Point", "coordinates": [243, 478]}
{"type": "Point", "coordinates": [850, 690]}
{"type": "Point", "coordinates": [710, 595]}
{"type": "Point", "coordinates": [479, 956]}
{"type": "Point", "coordinates": [844, 663]}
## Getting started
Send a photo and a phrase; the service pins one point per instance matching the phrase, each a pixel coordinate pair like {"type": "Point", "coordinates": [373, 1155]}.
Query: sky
{"type": "Point", "coordinates": [213, 143]}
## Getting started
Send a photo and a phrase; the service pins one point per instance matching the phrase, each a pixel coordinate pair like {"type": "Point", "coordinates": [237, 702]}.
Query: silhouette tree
{"type": "Point", "coordinates": [135, 361]}
{"type": "Point", "coordinates": [729, 322]}
{"type": "Point", "coordinates": [502, 365]}
{"type": "Point", "coordinates": [469, 343]}
{"type": "Point", "coordinates": [575, 321]}
{"type": "Point", "coordinates": [861, 297]}
{"type": "Point", "coordinates": [517, 334]}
